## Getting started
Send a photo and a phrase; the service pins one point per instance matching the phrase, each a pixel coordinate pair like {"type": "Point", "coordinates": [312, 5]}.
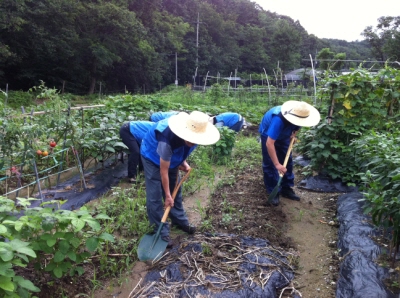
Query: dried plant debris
{"type": "Point", "coordinates": [220, 266]}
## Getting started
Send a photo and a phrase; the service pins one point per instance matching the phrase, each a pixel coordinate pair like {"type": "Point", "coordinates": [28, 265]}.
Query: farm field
{"type": "Point", "coordinates": [90, 250]}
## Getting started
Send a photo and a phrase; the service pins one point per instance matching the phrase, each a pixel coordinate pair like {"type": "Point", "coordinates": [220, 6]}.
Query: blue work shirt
{"type": "Point", "coordinates": [139, 128]}
{"type": "Point", "coordinates": [275, 126]}
{"type": "Point", "coordinates": [162, 133]}
{"type": "Point", "coordinates": [229, 119]}
{"type": "Point", "coordinates": [158, 116]}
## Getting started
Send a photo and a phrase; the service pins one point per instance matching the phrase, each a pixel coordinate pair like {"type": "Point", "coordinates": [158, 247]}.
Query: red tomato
{"type": "Point", "coordinates": [39, 152]}
{"type": "Point", "coordinates": [53, 144]}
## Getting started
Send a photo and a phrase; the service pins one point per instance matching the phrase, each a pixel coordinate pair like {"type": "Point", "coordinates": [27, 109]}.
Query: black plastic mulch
{"type": "Point", "coordinates": [98, 181]}
{"type": "Point", "coordinates": [359, 276]}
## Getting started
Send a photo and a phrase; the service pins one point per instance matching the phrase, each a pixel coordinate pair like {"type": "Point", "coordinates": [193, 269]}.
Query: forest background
{"type": "Point", "coordinates": [144, 45]}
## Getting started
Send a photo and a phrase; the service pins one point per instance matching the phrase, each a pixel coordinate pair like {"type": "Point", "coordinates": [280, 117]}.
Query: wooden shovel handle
{"type": "Point", "coordinates": [177, 186]}
{"type": "Point", "coordinates": [288, 153]}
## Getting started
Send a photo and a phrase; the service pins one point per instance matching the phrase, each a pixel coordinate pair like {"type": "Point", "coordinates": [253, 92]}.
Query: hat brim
{"type": "Point", "coordinates": [177, 123]}
{"type": "Point", "coordinates": [313, 118]}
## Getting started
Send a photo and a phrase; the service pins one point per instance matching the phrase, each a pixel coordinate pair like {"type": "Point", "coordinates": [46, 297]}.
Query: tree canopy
{"type": "Point", "coordinates": [138, 45]}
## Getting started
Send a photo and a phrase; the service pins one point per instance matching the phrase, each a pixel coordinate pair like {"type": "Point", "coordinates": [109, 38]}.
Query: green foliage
{"type": "Point", "coordinates": [385, 38]}
{"type": "Point", "coordinates": [127, 208]}
{"type": "Point", "coordinates": [222, 150]}
{"type": "Point", "coordinates": [126, 44]}
{"type": "Point", "coordinates": [57, 241]}
{"type": "Point", "coordinates": [13, 253]}
{"type": "Point", "coordinates": [247, 150]}
{"type": "Point", "coordinates": [361, 102]}
{"type": "Point", "coordinates": [339, 63]}
{"type": "Point", "coordinates": [379, 160]}
{"type": "Point", "coordinates": [325, 54]}
{"type": "Point", "coordinates": [216, 93]}
{"type": "Point", "coordinates": [16, 99]}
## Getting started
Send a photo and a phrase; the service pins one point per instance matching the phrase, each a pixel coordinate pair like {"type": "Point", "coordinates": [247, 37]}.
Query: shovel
{"type": "Point", "coordinates": [152, 246]}
{"type": "Point", "coordinates": [273, 193]}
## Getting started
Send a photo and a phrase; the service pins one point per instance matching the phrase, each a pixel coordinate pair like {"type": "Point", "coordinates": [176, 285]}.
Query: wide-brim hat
{"type": "Point", "coordinates": [300, 113]}
{"type": "Point", "coordinates": [194, 128]}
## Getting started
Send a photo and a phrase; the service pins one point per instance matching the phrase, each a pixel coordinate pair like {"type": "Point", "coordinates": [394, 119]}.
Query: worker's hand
{"type": "Point", "coordinates": [184, 167]}
{"type": "Point", "coordinates": [281, 169]}
{"type": "Point", "coordinates": [293, 135]}
{"type": "Point", "coordinates": [168, 201]}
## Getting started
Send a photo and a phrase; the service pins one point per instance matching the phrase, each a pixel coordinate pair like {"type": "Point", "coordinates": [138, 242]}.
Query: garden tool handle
{"type": "Point", "coordinates": [288, 153]}
{"type": "Point", "coordinates": [177, 186]}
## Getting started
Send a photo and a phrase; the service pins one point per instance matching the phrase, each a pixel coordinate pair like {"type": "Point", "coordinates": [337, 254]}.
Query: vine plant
{"type": "Point", "coordinates": [360, 101]}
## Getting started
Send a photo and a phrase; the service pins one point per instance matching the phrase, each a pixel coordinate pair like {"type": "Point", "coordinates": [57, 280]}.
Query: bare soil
{"type": "Point", "coordinates": [301, 228]}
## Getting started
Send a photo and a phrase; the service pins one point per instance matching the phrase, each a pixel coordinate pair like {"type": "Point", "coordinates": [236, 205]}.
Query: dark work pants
{"type": "Point", "coordinates": [155, 198]}
{"type": "Point", "coordinates": [271, 175]}
{"type": "Point", "coordinates": [134, 150]}
{"type": "Point", "coordinates": [238, 125]}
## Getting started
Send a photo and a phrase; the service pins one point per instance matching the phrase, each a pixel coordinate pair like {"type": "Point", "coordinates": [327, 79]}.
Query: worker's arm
{"type": "Point", "coordinates": [164, 167]}
{"type": "Point", "coordinates": [270, 144]}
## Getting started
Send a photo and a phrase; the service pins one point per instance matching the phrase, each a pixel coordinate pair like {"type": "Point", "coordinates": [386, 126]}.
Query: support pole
{"type": "Point", "coordinates": [176, 69]}
{"type": "Point", "coordinates": [64, 143]}
{"type": "Point", "coordinates": [205, 82]}
{"type": "Point", "coordinates": [314, 79]}
{"type": "Point", "coordinates": [269, 89]}
{"type": "Point", "coordinates": [79, 165]}
{"type": "Point", "coordinates": [37, 180]}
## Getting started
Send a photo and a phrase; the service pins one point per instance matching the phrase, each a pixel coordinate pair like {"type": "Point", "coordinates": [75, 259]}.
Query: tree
{"type": "Point", "coordinates": [251, 44]}
{"type": "Point", "coordinates": [285, 43]}
{"type": "Point", "coordinates": [339, 63]}
{"type": "Point", "coordinates": [385, 38]}
{"type": "Point", "coordinates": [375, 41]}
{"type": "Point", "coordinates": [325, 54]}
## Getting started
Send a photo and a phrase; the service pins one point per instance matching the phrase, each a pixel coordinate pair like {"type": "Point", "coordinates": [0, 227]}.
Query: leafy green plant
{"type": "Point", "coordinates": [61, 237]}
{"type": "Point", "coordinates": [216, 94]}
{"type": "Point", "coordinates": [226, 219]}
{"type": "Point", "coordinates": [128, 209]}
{"type": "Point", "coordinates": [360, 102]}
{"type": "Point", "coordinates": [13, 253]}
{"type": "Point", "coordinates": [379, 159]}
{"type": "Point", "coordinates": [17, 99]}
{"type": "Point", "coordinates": [222, 150]}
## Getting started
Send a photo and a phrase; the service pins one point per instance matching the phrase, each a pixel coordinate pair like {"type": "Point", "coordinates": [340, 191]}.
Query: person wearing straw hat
{"type": "Point", "coordinates": [277, 127]}
{"type": "Point", "coordinates": [131, 134]}
{"type": "Point", "coordinates": [164, 150]}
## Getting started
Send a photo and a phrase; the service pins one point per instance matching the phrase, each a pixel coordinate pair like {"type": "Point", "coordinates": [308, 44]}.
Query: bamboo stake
{"type": "Point", "coordinates": [64, 110]}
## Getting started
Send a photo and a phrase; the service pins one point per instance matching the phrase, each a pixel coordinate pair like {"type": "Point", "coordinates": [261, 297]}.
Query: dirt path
{"type": "Point", "coordinates": [305, 224]}
{"type": "Point", "coordinates": [316, 241]}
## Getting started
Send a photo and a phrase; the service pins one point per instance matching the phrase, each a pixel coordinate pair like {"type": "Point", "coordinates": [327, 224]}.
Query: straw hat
{"type": "Point", "coordinates": [194, 128]}
{"type": "Point", "coordinates": [300, 113]}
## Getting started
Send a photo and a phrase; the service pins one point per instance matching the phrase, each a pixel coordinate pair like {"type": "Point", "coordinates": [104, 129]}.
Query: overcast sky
{"type": "Point", "coordinates": [339, 19]}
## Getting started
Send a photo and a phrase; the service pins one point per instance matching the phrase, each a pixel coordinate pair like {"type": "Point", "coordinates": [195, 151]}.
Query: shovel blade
{"type": "Point", "coordinates": [274, 192]}
{"type": "Point", "coordinates": [151, 248]}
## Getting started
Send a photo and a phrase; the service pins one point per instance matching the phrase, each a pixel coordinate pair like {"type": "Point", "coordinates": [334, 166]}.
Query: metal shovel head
{"type": "Point", "coordinates": [151, 247]}
{"type": "Point", "coordinates": [274, 192]}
